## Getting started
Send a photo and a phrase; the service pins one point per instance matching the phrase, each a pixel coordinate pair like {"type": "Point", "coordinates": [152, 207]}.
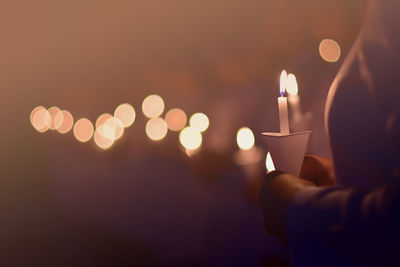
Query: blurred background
{"type": "Point", "coordinates": [174, 189]}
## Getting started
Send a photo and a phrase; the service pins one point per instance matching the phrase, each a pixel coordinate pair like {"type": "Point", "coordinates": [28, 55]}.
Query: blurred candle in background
{"type": "Point", "coordinates": [248, 153]}
{"type": "Point", "coordinates": [282, 104]}
{"type": "Point", "coordinates": [293, 96]}
{"type": "Point", "coordinates": [298, 122]}
{"type": "Point", "coordinates": [250, 159]}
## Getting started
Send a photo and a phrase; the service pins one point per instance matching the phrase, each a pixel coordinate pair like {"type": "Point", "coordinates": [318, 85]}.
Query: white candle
{"type": "Point", "coordinates": [283, 106]}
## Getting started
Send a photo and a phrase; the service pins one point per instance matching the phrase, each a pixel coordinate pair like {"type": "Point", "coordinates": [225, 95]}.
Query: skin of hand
{"type": "Point", "coordinates": [318, 170]}
{"type": "Point", "coordinates": [278, 190]}
{"type": "Point", "coordinates": [276, 193]}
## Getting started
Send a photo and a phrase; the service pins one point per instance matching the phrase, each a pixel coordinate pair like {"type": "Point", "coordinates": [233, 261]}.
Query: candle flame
{"type": "Point", "coordinates": [292, 87]}
{"type": "Point", "coordinates": [283, 82]}
{"type": "Point", "coordinates": [269, 163]}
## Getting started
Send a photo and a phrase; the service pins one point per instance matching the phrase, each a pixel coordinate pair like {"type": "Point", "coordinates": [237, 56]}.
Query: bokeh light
{"type": "Point", "coordinates": [176, 119]}
{"type": "Point", "coordinates": [156, 129]}
{"type": "Point", "coordinates": [190, 138]}
{"type": "Point", "coordinates": [40, 119]}
{"type": "Point", "coordinates": [126, 114]}
{"type": "Point", "coordinates": [116, 126]}
{"type": "Point", "coordinates": [199, 122]}
{"type": "Point", "coordinates": [57, 117]}
{"type": "Point", "coordinates": [153, 106]}
{"type": "Point", "coordinates": [83, 130]}
{"type": "Point", "coordinates": [102, 119]}
{"type": "Point", "coordinates": [269, 164]}
{"type": "Point", "coordinates": [329, 50]}
{"type": "Point", "coordinates": [245, 138]}
{"type": "Point", "coordinates": [292, 87]}
{"type": "Point", "coordinates": [191, 152]}
{"type": "Point", "coordinates": [34, 111]}
{"type": "Point", "coordinates": [104, 136]}
{"type": "Point", "coordinates": [67, 122]}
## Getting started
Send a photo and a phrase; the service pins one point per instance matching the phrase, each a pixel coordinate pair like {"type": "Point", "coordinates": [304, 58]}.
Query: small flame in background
{"type": "Point", "coordinates": [283, 82]}
{"type": "Point", "coordinates": [269, 164]}
{"type": "Point", "coordinates": [245, 138]}
{"type": "Point", "coordinates": [292, 87]}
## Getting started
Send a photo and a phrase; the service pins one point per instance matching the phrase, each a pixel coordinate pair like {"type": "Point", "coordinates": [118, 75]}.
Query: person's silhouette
{"type": "Point", "coordinates": [347, 212]}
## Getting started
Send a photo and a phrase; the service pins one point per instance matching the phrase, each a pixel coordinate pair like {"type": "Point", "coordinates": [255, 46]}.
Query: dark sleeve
{"type": "Point", "coordinates": [345, 227]}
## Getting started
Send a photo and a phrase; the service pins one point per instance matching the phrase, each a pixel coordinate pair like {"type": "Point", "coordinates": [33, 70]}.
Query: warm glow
{"type": "Point", "coordinates": [68, 122]}
{"type": "Point", "coordinates": [292, 87]}
{"type": "Point", "coordinates": [191, 153]}
{"type": "Point", "coordinates": [329, 50]}
{"type": "Point", "coordinates": [176, 119]}
{"type": "Point", "coordinates": [116, 126]}
{"type": "Point", "coordinates": [156, 129]}
{"type": "Point", "coordinates": [283, 82]}
{"type": "Point", "coordinates": [245, 138]}
{"type": "Point", "coordinates": [126, 114]}
{"type": "Point", "coordinates": [190, 138]}
{"type": "Point", "coordinates": [57, 118]}
{"type": "Point", "coordinates": [269, 164]}
{"type": "Point", "coordinates": [199, 122]}
{"type": "Point", "coordinates": [83, 130]}
{"type": "Point", "coordinates": [104, 136]}
{"type": "Point", "coordinates": [153, 106]}
{"type": "Point", "coordinates": [102, 119]}
{"type": "Point", "coordinates": [40, 119]}
{"type": "Point", "coordinates": [107, 131]}
{"type": "Point", "coordinates": [34, 111]}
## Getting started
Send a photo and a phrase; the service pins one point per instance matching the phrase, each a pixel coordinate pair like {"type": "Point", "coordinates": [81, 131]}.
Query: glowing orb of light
{"type": "Point", "coordinates": [245, 138]}
{"type": "Point", "coordinates": [190, 138]}
{"type": "Point", "coordinates": [176, 119]}
{"type": "Point", "coordinates": [57, 117]}
{"type": "Point", "coordinates": [104, 136]}
{"type": "Point", "coordinates": [329, 50]}
{"type": "Point", "coordinates": [156, 129]}
{"type": "Point", "coordinates": [292, 87]}
{"type": "Point", "coordinates": [117, 127]}
{"type": "Point", "coordinates": [40, 119]}
{"type": "Point", "coordinates": [32, 115]}
{"type": "Point", "coordinates": [153, 106]}
{"type": "Point", "coordinates": [126, 114]}
{"type": "Point", "coordinates": [67, 122]}
{"type": "Point", "coordinates": [199, 122]}
{"type": "Point", "coordinates": [83, 130]}
{"type": "Point", "coordinates": [102, 119]}
{"type": "Point", "coordinates": [269, 164]}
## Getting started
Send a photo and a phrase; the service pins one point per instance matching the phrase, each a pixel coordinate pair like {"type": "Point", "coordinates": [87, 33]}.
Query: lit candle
{"type": "Point", "coordinates": [283, 106]}
{"type": "Point", "coordinates": [292, 90]}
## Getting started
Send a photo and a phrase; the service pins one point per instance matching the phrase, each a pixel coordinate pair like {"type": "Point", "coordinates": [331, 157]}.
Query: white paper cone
{"type": "Point", "coordinates": [287, 151]}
